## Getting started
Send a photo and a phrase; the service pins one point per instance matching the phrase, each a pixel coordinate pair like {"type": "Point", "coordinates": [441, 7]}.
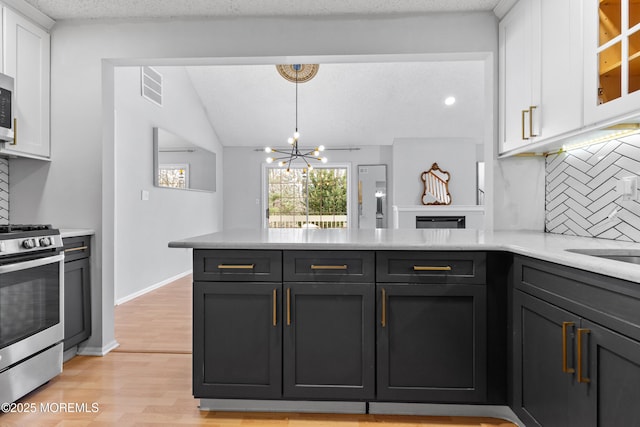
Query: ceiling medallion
{"type": "Point", "coordinates": [304, 73]}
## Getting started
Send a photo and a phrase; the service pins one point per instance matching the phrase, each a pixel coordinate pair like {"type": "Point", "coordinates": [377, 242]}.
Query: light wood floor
{"type": "Point", "coordinates": [147, 381]}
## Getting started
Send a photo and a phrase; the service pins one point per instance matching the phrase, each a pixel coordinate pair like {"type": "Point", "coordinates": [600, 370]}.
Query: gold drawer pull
{"type": "Point", "coordinates": [79, 248]}
{"type": "Point", "coordinates": [581, 379]}
{"type": "Point", "coordinates": [328, 267]}
{"type": "Point", "coordinates": [288, 306]}
{"type": "Point", "coordinates": [565, 368]}
{"type": "Point", "coordinates": [383, 320]}
{"type": "Point", "coordinates": [531, 134]}
{"type": "Point", "coordinates": [523, 120]}
{"type": "Point", "coordinates": [275, 307]}
{"type": "Point", "coordinates": [236, 266]}
{"type": "Point", "coordinates": [431, 268]}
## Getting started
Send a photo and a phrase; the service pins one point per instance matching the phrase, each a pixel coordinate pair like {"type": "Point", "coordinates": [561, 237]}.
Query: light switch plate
{"type": "Point", "coordinates": [144, 195]}
{"type": "Point", "coordinates": [628, 187]}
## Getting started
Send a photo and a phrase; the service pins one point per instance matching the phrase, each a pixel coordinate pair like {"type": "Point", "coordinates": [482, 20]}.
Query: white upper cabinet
{"type": "Point", "coordinates": [540, 72]}
{"type": "Point", "coordinates": [561, 42]}
{"type": "Point", "coordinates": [612, 60]}
{"type": "Point", "coordinates": [519, 54]}
{"type": "Point", "coordinates": [26, 53]}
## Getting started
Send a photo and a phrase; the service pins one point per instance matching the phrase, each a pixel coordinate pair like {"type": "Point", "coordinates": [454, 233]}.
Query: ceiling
{"type": "Point", "coordinates": [345, 105]}
{"type": "Point", "coordinates": [100, 9]}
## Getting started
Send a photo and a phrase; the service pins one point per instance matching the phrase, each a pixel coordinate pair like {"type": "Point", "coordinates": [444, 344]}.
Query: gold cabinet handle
{"type": "Point", "coordinates": [236, 266]}
{"type": "Point", "coordinates": [275, 307]}
{"type": "Point", "coordinates": [531, 134]}
{"type": "Point", "coordinates": [79, 248]}
{"type": "Point", "coordinates": [581, 379]}
{"type": "Point", "coordinates": [565, 368]}
{"type": "Point", "coordinates": [288, 306]}
{"type": "Point", "coordinates": [523, 121]}
{"type": "Point", "coordinates": [329, 267]}
{"type": "Point", "coordinates": [383, 320]}
{"type": "Point", "coordinates": [431, 268]}
{"type": "Point", "coordinates": [15, 132]}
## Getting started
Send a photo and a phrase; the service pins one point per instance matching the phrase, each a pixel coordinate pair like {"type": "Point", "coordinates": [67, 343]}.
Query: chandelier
{"type": "Point", "coordinates": [297, 73]}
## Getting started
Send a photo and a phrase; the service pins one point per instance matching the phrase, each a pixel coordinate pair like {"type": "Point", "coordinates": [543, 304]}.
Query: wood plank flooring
{"type": "Point", "coordinates": [157, 322]}
{"type": "Point", "coordinates": [147, 381]}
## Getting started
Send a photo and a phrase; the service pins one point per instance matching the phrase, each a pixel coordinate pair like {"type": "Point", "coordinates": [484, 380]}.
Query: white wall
{"type": "Point", "coordinates": [144, 228]}
{"type": "Point", "coordinates": [77, 188]}
{"type": "Point", "coordinates": [412, 156]}
{"type": "Point", "coordinates": [243, 180]}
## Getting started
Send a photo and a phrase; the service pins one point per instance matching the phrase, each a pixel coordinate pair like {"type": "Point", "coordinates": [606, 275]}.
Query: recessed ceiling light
{"type": "Point", "coordinates": [450, 100]}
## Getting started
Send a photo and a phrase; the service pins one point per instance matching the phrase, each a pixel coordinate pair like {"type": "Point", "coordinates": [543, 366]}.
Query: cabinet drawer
{"type": "Point", "coordinates": [431, 267]}
{"type": "Point", "coordinates": [76, 247]}
{"type": "Point", "coordinates": [612, 302]}
{"type": "Point", "coordinates": [329, 266]}
{"type": "Point", "coordinates": [237, 265]}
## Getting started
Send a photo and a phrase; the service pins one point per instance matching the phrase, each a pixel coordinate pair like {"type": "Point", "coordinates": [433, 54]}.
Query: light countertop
{"type": "Point", "coordinates": [544, 246]}
{"type": "Point", "coordinates": [76, 232]}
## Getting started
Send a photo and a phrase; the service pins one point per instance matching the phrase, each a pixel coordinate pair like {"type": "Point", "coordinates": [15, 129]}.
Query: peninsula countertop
{"type": "Point", "coordinates": [543, 246]}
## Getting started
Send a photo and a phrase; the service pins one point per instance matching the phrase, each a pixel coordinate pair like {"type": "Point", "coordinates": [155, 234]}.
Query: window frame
{"type": "Point", "coordinates": [265, 190]}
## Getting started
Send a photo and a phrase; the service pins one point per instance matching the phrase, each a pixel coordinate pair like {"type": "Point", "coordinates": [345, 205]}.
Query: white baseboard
{"type": "Point", "coordinates": [152, 287]}
{"type": "Point", "coordinates": [97, 351]}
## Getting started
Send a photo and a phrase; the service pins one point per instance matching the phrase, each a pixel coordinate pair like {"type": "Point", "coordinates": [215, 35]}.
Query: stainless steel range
{"type": "Point", "coordinates": [31, 308]}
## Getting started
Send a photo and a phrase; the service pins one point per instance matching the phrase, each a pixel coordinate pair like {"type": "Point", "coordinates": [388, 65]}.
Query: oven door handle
{"type": "Point", "coordinates": [31, 264]}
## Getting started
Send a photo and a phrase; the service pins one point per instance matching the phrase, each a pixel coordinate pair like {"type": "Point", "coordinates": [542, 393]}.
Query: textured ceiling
{"type": "Point", "coordinates": [345, 105]}
{"type": "Point", "coordinates": [97, 9]}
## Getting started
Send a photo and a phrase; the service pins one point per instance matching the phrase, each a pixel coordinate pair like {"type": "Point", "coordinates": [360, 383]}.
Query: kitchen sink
{"type": "Point", "coordinates": [624, 255]}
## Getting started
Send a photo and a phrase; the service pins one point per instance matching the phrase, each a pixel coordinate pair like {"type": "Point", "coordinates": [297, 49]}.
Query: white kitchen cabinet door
{"type": "Point", "coordinates": [26, 49]}
{"type": "Point", "coordinates": [519, 75]}
{"type": "Point", "coordinates": [561, 85]}
{"type": "Point", "coordinates": [612, 61]}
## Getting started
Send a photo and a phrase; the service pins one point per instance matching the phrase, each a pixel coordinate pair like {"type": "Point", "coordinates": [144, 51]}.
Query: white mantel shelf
{"type": "Point", "coordinates": [405, 216]}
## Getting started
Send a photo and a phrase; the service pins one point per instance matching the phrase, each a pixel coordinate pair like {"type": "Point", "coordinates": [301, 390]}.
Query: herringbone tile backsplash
{"type": "Point", "coordinates": [581, 196]}
{"type": "Point", "coordinates": [4, 191]}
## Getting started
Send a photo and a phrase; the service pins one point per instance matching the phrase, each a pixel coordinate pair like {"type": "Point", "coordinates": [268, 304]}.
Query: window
{"type": "Point", "coordinates": [174, 176]}
{"type": "Point", "coordinates": [297, 199]}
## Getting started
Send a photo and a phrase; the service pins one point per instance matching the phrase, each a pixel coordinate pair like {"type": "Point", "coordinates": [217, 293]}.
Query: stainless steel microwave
{"type": "Point", "coordinates": [6, 108]}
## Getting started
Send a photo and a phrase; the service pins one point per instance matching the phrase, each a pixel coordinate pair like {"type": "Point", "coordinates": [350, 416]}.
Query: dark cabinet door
{"type": "Point", "coordinates": [329, 348]}
{"type": "Point", "coordinates": [237, 340]}
{"type": "Point", "coordinates": [544, 362]}
{"type": "Point", "coordinates": [77, 302]}
{"type": "Point", "coordinates": [609, 378]}
{"type": "Point", "coordinates": [431, 344]}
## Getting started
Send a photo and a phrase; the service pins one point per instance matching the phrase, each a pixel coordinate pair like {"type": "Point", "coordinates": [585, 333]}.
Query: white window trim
{"type": "Point", "coordinates": [265, 188]}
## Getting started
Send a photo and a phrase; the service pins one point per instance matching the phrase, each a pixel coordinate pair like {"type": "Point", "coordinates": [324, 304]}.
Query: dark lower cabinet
{"type": "Point", "coordinates": [543, 371]}
{"type": "Point", "coordinates": [329, 341]}
{"type": "Point", "coordinates": [77, 302]}
{"type": "Point", "coordinates": [610, 390]}
{"type": "Point", "coordinates": [431, 342]}
{"type": "Point", "coordinates": [320, 328]}
{"type": "Point", "coordinates": [574, 363]}
{"type": "Point", "coordinates": [237, 340]}
{"type": "Point", "coordinates": [77, 290]}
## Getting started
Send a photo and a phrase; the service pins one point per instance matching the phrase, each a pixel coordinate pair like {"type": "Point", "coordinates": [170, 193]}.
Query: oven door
{"type": "Point", "coordinates": [31, 307]}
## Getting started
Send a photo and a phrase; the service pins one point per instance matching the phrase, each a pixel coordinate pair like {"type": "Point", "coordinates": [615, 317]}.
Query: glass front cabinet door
{"type": "Point", "coordinates": [612, 60]}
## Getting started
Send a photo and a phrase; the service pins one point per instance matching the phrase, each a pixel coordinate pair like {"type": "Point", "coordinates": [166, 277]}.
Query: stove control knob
{"type": "Point", "coordinates": [45, 241]}
{"type": "Point", "coordinates": [28, 244]}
